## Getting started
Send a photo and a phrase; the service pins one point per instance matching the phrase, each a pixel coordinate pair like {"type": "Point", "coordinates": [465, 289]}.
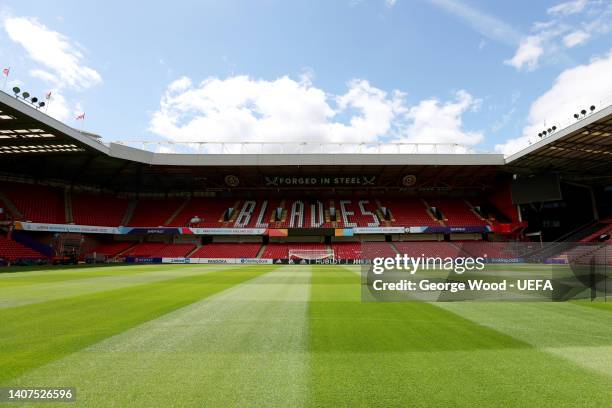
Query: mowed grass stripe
{"type": "Point", "coordinates": [22, 289]}
{"type": "Point", "coordinates": [54, 274]}
{"type": "Point", "coordinates": [582, 335]}
{"type": "Point", "coordinates": [245, 346]}
{"type": "Point", "coordinates": [36, 334]}
{"type": "Point", "coordinates": [418, 354]}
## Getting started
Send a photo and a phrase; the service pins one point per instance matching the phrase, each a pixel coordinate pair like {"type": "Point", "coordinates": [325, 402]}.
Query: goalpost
{"type": "Point", "coordinates": [297, 255]}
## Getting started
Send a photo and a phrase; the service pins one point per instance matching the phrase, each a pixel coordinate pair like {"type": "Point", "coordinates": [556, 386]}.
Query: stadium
{"type": "Point", "coordinates": [232, 276]}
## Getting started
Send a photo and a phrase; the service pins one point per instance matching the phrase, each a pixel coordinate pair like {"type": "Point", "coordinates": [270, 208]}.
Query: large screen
{"type": "Point", "coordinates": [537, 188]}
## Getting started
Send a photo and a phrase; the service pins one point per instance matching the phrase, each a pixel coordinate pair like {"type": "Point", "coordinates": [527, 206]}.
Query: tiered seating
{"type": "Point", "coordinates": [371, 250]}
{"type": "Point", "coordinates": [98, 210]}
{"type": "Point", "coordinates": [347, 250]}
{"type": "Point", "coordinates": [145, 249]}
{"type": "Point", "coordinates": [492, 250]}
{"type": "Point", "coordinates": [252, 223]}
{"type": "Point", "coordinates": [457, 213]}
{"type": "Point", "coordinates": [277, 250]}
{"type": "Point", "coordinates": [159, 249]}
{"type": "Point", "coordinates": [209, 210]}
{"type": "Point", "coordinates": [429, 249]}
{"type": "Point", "coordinates": [175, 250]}
{"type": "Point", "coordinates": [410, 213]}
{"type": "Point", "coordinates": [113, 248]}
{"type": "Point", "coordinates": [153, 213]}
{"type": "Point", "coordinates": [37, 203]}
{"type": "Point", "coordinates": [359, 219]}
{"type": "Point", "coordinates": [604, 229]}
{"type": "Point", "coordinates": [12, 251]}
{"type": "Point", "coordinates": [227, 250]}
{"type": "Point", "coordinates": [307, 214]}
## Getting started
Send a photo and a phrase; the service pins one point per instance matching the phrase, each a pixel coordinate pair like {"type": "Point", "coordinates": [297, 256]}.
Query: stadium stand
{"type": "Point", "coordinates": [13, 251]}
{"type": "Point", "coordinates": [378, 249]}
{"type": "Point", "coordinates": [410, 212]}
{"type": "Point", "coordinates": [491, 250]}
{"type": "Point", "coordinates": [98, 210]}
{"type": "Point", "coordinates": [601, 229]}
{"type": "Point", "coordinates": [429, 249]}
{"type": "Point", "coordinates": [209, 210]}
{"type": "Point", "coordinates": [153, 213]}
{"type": "Point", "coordinates": [112, 249]}
{"type": "Point", "coordinates": [159, 249]}
{"type": "Point", "coordinates": [36, 203]}
{"type": "Point", "coordinates": [457, 213]}
{"type": "Point", "coordinates": [229, 250]}
{"type": "Point", "coordinates": [347, 250]}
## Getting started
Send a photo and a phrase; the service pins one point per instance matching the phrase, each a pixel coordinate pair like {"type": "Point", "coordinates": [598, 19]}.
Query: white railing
{"type": "Point", "coordinates": [166, 146]}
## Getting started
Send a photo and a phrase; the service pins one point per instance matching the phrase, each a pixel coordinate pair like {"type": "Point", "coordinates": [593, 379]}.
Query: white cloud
{"type": "Point", "coordinates": [528, 53]}
{"type": "Point", "coordinates": [240, 109]}
{"type": "Point", "coordinates": [58, 107]}
{"type": "Point", "coordinates": [486, 24]}
{"type": "Point", "coordinates": [576, 38]}
{"type": "Point", "coordinates": [52, 50]}
{"type": "Point", "coordinates": [571, 24]}
{"type": "Point", "coordinates": [44, 75]}
{"type": "Point", "coordinates": [434, 122]}
{"type": "Point", "coordinates": [568, 7]}
{"type": "Point", "coordinates": [575, 88]}
{"type": "Point", "coordinates": [390, 3]}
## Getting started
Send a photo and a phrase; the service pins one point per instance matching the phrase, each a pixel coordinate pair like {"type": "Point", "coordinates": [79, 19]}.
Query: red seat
{"type": "Point", "coordinates": [98, 210]}
{"type": "Point", "coordinates": [37, 203]}
{"type": "Point", "coordinates": [227, 250]}
{"type": "Point", "coordinates": [12, 251]}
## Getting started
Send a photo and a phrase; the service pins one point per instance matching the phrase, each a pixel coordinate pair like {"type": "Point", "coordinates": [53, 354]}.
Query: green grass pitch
{"type": "Point", "coordinates": [289, 336]}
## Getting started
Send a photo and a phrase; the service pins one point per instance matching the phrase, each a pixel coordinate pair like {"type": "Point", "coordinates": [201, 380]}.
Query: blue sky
{"type": "Point", "coordinates": [489, 75]}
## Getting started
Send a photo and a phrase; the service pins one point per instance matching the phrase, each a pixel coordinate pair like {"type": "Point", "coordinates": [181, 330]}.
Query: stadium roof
{"type": "Point", "coordinates": [583, 148]}
{"type": "Point", "coordinates": [32, 144]}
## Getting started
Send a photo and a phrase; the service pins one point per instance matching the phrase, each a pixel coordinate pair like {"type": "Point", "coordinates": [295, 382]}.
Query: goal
{"type": "Point", "coordinates": [311, 254]}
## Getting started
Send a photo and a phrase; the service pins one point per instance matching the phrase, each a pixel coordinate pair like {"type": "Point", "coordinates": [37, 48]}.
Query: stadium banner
{"type": "Point", "coordinates": [379, 230]}
{"type": "Point", "coordinates": [89, 229]}
{"type": "Point", "coordinates": [447, 230]}
{"type": "Point", "coordinates": [149, 231]}
{"type": "Point", "coordinates": [318, 181]}
{"type": "Point", "coordinates": [145, 260]}
{"type": "Point", "coordinates": [176, 260]}
{"type": "Point", "coordinates": [343, 232]}
{"type": "Point", "coordinates": [228, 231]}
{"type": "Point", "coordinates": [244, 261]}
{"type": "Point", "coordinates": [272, 232]}
{"type": "Point", "coordinates": [336, 261]}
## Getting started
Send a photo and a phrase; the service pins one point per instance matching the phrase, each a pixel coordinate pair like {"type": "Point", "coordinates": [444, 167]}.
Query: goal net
{"type": "Point", "coordinates": [310, 254]}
